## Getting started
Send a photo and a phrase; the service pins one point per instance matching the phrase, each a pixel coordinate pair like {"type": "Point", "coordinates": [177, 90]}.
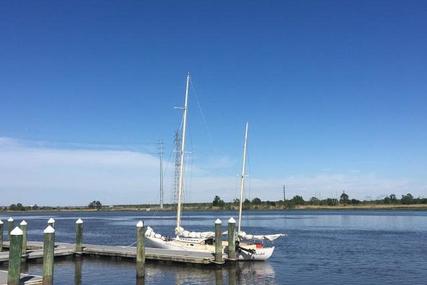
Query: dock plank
{"type": "Point", "coordinates": [35, 251]}
{"type": "Point", "coordinates": [150, 253]}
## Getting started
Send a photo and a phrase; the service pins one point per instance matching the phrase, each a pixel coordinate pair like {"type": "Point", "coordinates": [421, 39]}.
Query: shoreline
{"type": "Point", "coordinates": [153, 208]}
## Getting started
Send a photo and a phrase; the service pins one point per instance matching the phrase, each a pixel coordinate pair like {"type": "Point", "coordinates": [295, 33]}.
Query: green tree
{"type": "Point", "coordinates": [246, 204]}
{"type": "Point", "coordinates": [355, 201]}
{"type": "Point", "coordinates": [256, 201]}
{"type": "Point", "coordinates": [390, 199]}
{"type": "Point", "coordinates": [407, 199]}
{"type": "Point", "coordinates": [344, 198]}
{"type": "Point", "coordinates": [298, 200]}
{"type": "Point", "coordinates": [98, 205]}
{"type": "Point", "coordinates": [386, 200]}
{"type": "Point", "coordinates": [16, 207]}
{"type": "Point", "coordinates": [95, 205]}
{"type": "Point", "coordinates": [314, 201]}
{"type": "Point", "coordinates": [331, 202]}
{"type": "Point", "coordinates": [218, 202]}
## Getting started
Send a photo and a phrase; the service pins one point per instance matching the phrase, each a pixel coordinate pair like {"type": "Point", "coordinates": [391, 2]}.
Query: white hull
{"type": "Point", "coordinates": [181, 244]}
{"type": "Point", "coordinates": [196, 245]}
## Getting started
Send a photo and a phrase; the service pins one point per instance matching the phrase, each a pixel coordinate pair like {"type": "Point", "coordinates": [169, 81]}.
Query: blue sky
{"type": "Point", "coordinates": [335, 94]}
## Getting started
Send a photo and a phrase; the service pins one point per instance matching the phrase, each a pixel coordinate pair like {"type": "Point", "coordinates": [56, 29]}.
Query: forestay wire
{"type": "Point", "coordinates": [202, 114]}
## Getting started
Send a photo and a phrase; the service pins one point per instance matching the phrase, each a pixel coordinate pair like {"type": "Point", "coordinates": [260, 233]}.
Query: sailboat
{"type": "Point", "coordinates": [183, 240]}
{"type": "Point", "coordinates": [204, 241]}
{"type": "Point", "coordinates": [251, 247]}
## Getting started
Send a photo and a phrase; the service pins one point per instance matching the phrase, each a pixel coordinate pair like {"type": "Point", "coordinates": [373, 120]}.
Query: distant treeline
{"type": "Point", "coordinates": [256, 203]}
{"type": "Point", "coordinates": [297, 200]}
{"type": "Point", "coordinates": [344, 200]}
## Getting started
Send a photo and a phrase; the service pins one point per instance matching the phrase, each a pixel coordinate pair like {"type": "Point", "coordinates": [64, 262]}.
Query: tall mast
{"type": "Point", "coordinates": [242, 178]}
{"type": "Point", "coordinates": [182, 153]}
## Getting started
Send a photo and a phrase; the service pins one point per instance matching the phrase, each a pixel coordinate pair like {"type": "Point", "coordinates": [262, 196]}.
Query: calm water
{"type": "Point", "coordinates": [357, 247]}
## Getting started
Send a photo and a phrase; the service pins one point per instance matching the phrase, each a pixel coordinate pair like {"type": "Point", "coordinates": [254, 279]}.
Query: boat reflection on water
{"type": "Point", "coordinates": [250, 273]}
{"type": "Point", "coordinates": [239, 273]}
{"type": "Point", "coordinates": [90, 270]}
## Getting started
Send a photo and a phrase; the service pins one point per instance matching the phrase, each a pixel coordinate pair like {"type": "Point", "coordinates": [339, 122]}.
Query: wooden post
{"type": "Point", "coordinates": [232, 274]}
{"type": "Point", "coordinates": [140, 250]}
{"type": "Point", "coordinates": [140, 281]}
{"type": "Point", "coordinates": [48, 255]}
{"type": "Point", "coordinates": [15, 250]}
{"type": "Point", "coordinates": [218, 241]}
{"type": "Point", "coordinates": [1, 235]}
{"type": "Point", "coordinates": [78, 270]}
{"type": "Point", "coordinates": [10, 226]}
{"type": "Point", "coordinates": [79, 236]}
{"type": "Point", "coordinates": [51, 222]}
{"type": "Point", "coordinates": [218, 277]}
{"type": "Point", "coordinates": [23, 226]}
{"type": "Point", "coordinates": [231, 239]}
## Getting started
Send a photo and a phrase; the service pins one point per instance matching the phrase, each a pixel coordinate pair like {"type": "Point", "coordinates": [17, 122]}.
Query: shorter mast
{"type": "Point", "coordinates": [242, 178]}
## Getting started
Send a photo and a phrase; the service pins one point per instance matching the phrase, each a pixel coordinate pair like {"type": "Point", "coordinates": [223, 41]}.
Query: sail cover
{"type": "Point", "coordinates": [151, 234]}
{"type": "Point", "coordinates": [180, 231]}
{"type": "Point", "coordinates": [271, 237]}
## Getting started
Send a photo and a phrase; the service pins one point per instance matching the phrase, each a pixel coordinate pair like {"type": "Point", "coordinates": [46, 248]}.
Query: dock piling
{"type": "Point", "coordinates": [140, 250]}
{"type": "Point", "coordinates": [1, 235]}
{"type": "Point", "coordinates": [78, 260]}
{"type": "Point", "coordinates": [24, 228]}
{"type": "Point", "coordinates": [51, 222]}
{"type": "Point", "coordinates": [79, 236]}
{"type": "Point", "coordinates": [218, 241]}
{"type": "Point", "coordinates": [48, 255]}
{"type": "Point", "coordinates": [231, 239]}
{"type": "Point", "coordinates": [218, 277]}
{"type": "Point", "coordinates": [10, 226]}
{"type": "Point", "coordinates": [232, 273]}
{"type": "Point", "coordinates": [15, 250]}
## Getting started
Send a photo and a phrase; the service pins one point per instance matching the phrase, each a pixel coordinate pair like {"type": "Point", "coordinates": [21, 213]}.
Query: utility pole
{"type": "Point", "coordinates": [161, 172]}
{"type": "Point", "coordinates": [284, 192]}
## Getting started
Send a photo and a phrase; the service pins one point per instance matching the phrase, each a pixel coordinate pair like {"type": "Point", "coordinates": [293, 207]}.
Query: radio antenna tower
{"type": "Point", "coordinates": [177, 141]}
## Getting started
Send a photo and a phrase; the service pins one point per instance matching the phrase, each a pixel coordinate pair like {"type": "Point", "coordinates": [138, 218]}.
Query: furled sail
{"type": "Point", "coordinates": [272, 237]}
{"type": "Point", "coordinates": [151, 234]}
{"type": "Point", "coordinates": [180, 231]}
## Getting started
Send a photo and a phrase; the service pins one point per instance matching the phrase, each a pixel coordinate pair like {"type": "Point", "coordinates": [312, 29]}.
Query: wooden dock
{"type": "Point", "coordinates": [26, 279]}
{"type": "Point", "coordinates": [21, 250]}
{"type": "Point", "coordinates": [150, 253]}
{"type": "Point", "coordinates": [35, 251]}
